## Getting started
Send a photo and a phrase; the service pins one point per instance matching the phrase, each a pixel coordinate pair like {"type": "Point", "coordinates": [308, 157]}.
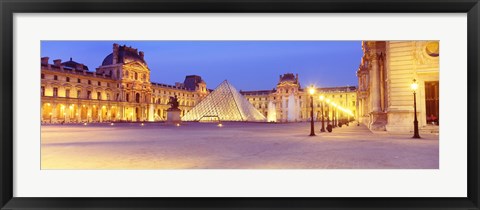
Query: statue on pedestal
{"type": "Point", "coordinates": [173, 113]}
{"type": "Point", "coordinates": [173, 102]}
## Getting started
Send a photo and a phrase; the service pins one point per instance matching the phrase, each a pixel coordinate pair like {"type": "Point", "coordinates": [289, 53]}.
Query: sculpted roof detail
{"type": "Point", "coordinates": [288, 77]}
{"type": "Point", "coordinates": [72, 64]}
{"type": "Point", "coordinates": [124, 55]}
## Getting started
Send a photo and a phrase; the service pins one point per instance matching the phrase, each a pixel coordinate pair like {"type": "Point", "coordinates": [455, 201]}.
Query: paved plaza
{"type": "Point", "coordinates": [232, 146]}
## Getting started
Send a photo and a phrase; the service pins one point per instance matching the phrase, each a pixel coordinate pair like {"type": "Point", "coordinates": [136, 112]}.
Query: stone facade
{"type": "Point", "coordinates": [119, 90]}
{"type": "Point", "coordinates": [291, 102]}
{"type": "Point", "coordinates": [385, 74]}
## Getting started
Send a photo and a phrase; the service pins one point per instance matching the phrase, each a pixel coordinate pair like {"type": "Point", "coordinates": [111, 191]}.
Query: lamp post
{"type": "Point", "coordinates": [334, 114]}
{"type": "Point", "coordinates": [414, 87]}
{"type": "Point", "coordinates": [312, 129]}
{"type": "Point", "coordinates": [328, 111]}
{"type": "Point", "coordinates": [322, 97]}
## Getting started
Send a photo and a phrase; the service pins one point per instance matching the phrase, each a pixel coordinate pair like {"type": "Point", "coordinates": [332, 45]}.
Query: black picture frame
{"type": "Point", "coordinates": [10, 7]}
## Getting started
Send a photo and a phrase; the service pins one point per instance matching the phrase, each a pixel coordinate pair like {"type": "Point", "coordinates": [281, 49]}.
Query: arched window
{"type": "Point", "coordinates": [136, 76]}
{"type": "Point", "coordinates": [137, 97]}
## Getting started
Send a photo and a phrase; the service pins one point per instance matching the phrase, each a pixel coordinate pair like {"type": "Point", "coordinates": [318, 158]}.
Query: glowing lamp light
{"type": "Point", "coordinates": [111, 124]}
{"type": "Point", "coordinates": [142, 124]}
{"type": "Point", "coordinates": [220, 125]}
{"type": "Point", "coordinates": [311, 90]}
{"type": "Point", "coordinates": [414, 85]}
{"type": "Point", "coordinates": [178, 124]}
{"type": "Point", "coordinates": [84, 123]}
{"type": "Point", "coordinates": [328, 100]}
{"type": "Point", "coordinates": [322, 97]}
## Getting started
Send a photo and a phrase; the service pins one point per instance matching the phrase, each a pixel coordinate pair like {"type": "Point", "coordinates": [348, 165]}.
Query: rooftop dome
{"type": "Point", "coordinates": [288, 77]}
{"type": "Point", "coordinates": [124, 55]}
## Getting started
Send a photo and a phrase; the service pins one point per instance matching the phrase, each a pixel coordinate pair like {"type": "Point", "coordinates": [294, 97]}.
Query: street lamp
{"type": "Point", "coordinates": [328, 111]}
{"type": "Point", "coordinates": [322, 98]}
{"type": "Point", "coordinates": [334, 117]}
{"type": "Point", "coordinates": [312, 129]}
{"type": "Point", "coordinates": [414, 87]}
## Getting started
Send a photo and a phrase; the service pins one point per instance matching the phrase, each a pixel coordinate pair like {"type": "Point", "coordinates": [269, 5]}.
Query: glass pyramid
{"type": "Point", "coordinates": [224, 103]}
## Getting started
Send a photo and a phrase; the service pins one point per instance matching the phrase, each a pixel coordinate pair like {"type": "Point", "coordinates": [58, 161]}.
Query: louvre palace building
{"type": "Point", "coordinates": [120, 90]}
{"type": "Point", "coordinates": [385, 75]}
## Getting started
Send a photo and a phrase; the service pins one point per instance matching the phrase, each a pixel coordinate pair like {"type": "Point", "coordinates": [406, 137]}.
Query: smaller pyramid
{"type": "Point", "coordinates": [224, 103]}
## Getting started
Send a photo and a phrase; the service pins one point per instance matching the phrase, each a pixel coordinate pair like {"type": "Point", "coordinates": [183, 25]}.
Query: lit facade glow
{"type": "Point", "coordinates": [120, 90]}
{"type": "Point", "coordinates": [385, 85]}
{"type": "Point", "coordinates": [224, 103]}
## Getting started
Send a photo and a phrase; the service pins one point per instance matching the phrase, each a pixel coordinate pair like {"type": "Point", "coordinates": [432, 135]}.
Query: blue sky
{"type": "Point", "coordinates": [248, 65]}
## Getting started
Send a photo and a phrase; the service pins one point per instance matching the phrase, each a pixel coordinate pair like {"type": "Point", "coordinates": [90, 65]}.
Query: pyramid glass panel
{"type": "Point", "coordinates": [224, 103]}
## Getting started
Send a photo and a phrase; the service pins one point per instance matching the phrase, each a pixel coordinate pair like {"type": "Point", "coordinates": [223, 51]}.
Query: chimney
{"type": "Point", "coordinates": [44, 60]}
{"type": "Point", "coordinates": [115, 53]}
{"type": "Point", "coordinates": [57, 62]}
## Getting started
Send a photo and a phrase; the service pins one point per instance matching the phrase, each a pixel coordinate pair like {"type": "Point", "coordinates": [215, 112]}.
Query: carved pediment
{"type": "Point", "coordinates": [136, 66]}
{"type": "Point", "coordinates": [422, 50]}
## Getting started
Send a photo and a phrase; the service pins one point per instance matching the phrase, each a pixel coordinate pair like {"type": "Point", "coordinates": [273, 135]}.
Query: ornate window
{"type": "Point", "coordinates": [432, 49]}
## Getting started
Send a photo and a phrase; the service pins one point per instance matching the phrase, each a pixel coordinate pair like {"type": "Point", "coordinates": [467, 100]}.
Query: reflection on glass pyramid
{"type": "Point", "coordinates": [224, 103]}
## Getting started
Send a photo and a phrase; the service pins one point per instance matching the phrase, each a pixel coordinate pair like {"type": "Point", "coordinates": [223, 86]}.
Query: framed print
{"type": "Point", "coordinates": [252, 105]}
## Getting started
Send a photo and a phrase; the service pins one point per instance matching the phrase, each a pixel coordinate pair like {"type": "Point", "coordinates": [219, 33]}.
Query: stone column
{"type": "Point", "coordinates": [151, 112]}
{"type": "Point", "coordinates": [89, 114]}
{"type": "Point", "coordinates": [377, 116]}
{"type": "Point", "coordinates": [109, 113]}
{"type": "Point", "coordinates": [78, 114]}
{"type": "Point", "coordinates": [54, 113]}
{"type": "Point", "coordinates": [375, 85]}
{"type": "Point", "coordinates": [67, 113]}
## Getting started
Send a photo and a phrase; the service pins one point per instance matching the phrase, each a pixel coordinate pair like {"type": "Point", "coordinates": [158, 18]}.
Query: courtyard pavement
{"type": "Point", "coordinates": [232, 146]}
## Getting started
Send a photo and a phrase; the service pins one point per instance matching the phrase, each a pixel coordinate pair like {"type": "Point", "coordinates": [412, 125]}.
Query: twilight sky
{"type": "Point", "coordinates": [248, 65]}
